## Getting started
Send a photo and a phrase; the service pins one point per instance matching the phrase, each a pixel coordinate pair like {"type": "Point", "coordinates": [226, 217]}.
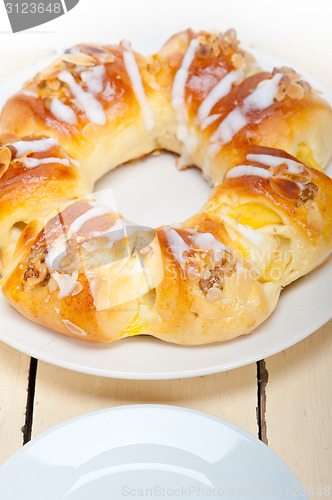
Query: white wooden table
{"type": "Point", "coordinates": [286, 400]}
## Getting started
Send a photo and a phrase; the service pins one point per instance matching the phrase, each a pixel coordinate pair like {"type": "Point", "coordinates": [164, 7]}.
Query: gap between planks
{"type": "Point", "coordinates": [27, 427]}
{"type": "Point", "coordinates": [262, 379]}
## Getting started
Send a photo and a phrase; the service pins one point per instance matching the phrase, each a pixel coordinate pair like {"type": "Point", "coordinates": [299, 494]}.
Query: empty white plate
{"type": "Point", "coordinates": [146, 452]}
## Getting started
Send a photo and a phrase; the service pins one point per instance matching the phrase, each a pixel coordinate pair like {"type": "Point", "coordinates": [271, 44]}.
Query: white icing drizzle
{"type": "Point", "coordinates": [35, 146]}
{"type": "Point", "coordinates": [125, 44]}
{"type": "Point", "coordinates": [218, 92]}
{"type": "Point", "coordinates": [94, 79]}
{"type": "Point", "coordinates": [30, 94]}
{"type": "Point", "coordinates": [136, 81]}
{"type": "Point", "coordinates": [176, 245]}
{"type": "Point", "coordinates": [95, 211]}
{"type": "Point", "coordinates": [66, 282]}
{"type": "Point", "coordinates": [261, 98]}
{"type": "Point", "coordinates": [91, 106]}
{"type": "Point", "coordinates": [206, 241]}
{"type": "Point", "coordinates": [35, 162]}
{"type": "Point", "coordinates": [244, 170]}
{"type": "Point", "coordinates": [75, 162]}
{"type": "Point", "coordinates": [63, 112]}
{"type": "Point", "coordinates": [198, 241]}
{"type": "Point", "coordinates": [53, 251]}
{"type": "Point", "coordinates": [210, 119]}
{"type": "Point", "coordinates": [273, 161]}
{"type": "Point", "coordinates": [231, 125]}
{"type": "Point", "coordinates": [74, 328]}
{"type": "Point", "coordinates": [186, 136]}
{"type": "Point", "coordinates": [293, 167]}
{"type": "Point", "coordinates": [180, 79]}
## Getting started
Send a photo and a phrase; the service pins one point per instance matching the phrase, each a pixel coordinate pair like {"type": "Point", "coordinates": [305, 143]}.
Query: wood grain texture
{"type": "Point", "coordinates": [61, 394]}
{"type": "Point", "coordinates": [14, 369]}
{"type": "Point", "coordinates": [299, 408]}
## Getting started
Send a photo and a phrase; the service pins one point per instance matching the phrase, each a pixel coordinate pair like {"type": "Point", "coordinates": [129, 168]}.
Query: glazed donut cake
{"type": "Point", "coordinates": [73, 264]}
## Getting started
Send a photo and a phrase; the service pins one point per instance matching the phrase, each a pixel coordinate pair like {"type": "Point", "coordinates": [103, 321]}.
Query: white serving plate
{"type": "Point", "coordinates": [146, 451]}
{"type": "Point", "coordinates": [304, 306]}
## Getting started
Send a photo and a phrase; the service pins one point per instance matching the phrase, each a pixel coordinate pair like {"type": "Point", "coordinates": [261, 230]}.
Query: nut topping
{"type": "Point", "coordinates": [79, 59]}
{"type": "Point", "coordinates": [237, 60]}
{"type": "Point", "coordinates": [77, 289]}
{"type": "Point", "coordinates": [193, 268]}
{"type": "Point", "coordinates": [303, 175]}
{"type": "Point", "coordinates": [309, 192]}
{"type": "Point", "coordinates": [213, 45]}
{"type": "Point", "coordinates": [293, 183]}
{"type": "Point", "coordinates": [36, 273]}
{"type": "Point", "coordinates": [291, 84]}
{"type": "Point", "coordinates": [54, 85]}
{"type": "Point", "coordinates": [286, 188]}
{"type": "Point", "coordinates": [47, 74]}
{"type": "Point", "coordinates": [295, 91]}
{"type": "Point", "coordinates": [206, 274]}
{"type": "Point", "coordinates": [108, 58]}
{"type": "Point", "coordinates": [214, 294]}
{"type": "Point", "coordinates": [5, 158]}
{"type": "Point", "coordinates": [52, 285]}
{"type": "Point", "coordinates": [215, 279]}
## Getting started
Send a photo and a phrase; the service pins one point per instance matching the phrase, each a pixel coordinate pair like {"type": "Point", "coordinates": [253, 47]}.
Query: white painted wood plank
{"type": "Point", "coordinates": [61, 395]}
{"type": "Point", "coordinates": [299, 408]}
{"type": "Point", "coordinates": [14, 370]}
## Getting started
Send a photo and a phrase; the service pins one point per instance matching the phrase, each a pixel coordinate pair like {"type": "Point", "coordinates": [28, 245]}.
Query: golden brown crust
{"type": "Point", "coordinates": [217, 55]}
{"type": "Point", "coordinates": [33, 184]}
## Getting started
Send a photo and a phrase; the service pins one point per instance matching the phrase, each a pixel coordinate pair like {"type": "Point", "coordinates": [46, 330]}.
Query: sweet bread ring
{"type": "Point", "coordinates": [213, 277]}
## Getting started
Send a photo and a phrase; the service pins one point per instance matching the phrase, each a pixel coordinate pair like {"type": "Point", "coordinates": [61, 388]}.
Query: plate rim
{"type": "Point", "coordinates": [71, 366]}
{"type": "Point", "coordinates": [254, 441]}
